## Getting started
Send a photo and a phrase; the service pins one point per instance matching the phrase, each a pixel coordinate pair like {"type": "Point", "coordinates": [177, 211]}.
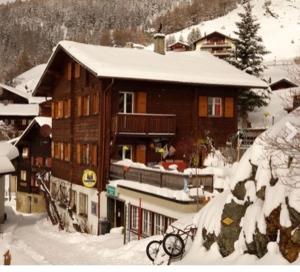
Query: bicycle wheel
{"type": "Point", "coordinates": [173, 245]}
{"type": "Point", "coordinates": [152, 249]}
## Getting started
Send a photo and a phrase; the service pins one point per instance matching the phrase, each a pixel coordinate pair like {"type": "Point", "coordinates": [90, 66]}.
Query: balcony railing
{"type": "Point", "coordinates": [144, 124]}
{"type": "Point", "coordinates": [159, 178]}
{"type": "Point", "coordinates": [216, 44]}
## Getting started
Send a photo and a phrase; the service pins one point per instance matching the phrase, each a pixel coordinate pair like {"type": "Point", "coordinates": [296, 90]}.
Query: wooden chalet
{"type": "Point", "coordinates": [118, 103]}
{"type": "Point", "coordinates": [34, 147]}
{"type": "Point", "coordinates": [179, 47]}
{"type": "Point", "coordinates": [216, 43]}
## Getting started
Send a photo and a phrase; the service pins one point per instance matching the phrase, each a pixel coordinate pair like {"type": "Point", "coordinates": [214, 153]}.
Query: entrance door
{"type": "Point", "coordinates": [119, 214]}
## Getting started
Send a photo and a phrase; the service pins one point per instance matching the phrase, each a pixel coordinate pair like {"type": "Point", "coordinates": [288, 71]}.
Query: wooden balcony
{"type": "Point", "coordinates": [144, 124]}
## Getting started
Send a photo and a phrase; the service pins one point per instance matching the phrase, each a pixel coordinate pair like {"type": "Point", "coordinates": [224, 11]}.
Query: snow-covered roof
{"type": "Point", "coordinates": [189, 67]}
{"type": "Point", "coordinates": [27, 81]}
{"type": "Point", "coordinates": [19, 110]}
{"type": "Point", "coordinates": [179, 42]}
{"type": "Point", "coordinates": [14, 91]}
{"type": "Point", "coordinates": [291, 84]}
{"type": "Point", "coordinates": [41, 121]}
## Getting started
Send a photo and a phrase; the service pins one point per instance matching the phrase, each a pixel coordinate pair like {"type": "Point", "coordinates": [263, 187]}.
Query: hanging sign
{"type": "Point", "coordinates": [89, 178]}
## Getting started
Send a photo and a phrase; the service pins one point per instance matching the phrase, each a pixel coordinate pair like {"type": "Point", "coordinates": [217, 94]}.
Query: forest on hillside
{"type": "Point", "coordinates": [30, 29]}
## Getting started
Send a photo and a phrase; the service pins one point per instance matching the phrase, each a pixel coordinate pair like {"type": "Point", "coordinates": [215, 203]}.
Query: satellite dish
{"type": "Point", "coordinates": [45, 130]}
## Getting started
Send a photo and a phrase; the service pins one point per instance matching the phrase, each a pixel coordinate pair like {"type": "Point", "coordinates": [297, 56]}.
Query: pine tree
{"type": "Point", "coordinates": [249, 58]}
{"type": "Point", "coordinates": [249, 47]}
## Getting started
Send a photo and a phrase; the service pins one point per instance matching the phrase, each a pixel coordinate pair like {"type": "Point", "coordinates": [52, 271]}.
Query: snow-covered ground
{"type": "Point", "coordinates": [32, 240]}
{"type": "Point", "coordinates": [280, 33]}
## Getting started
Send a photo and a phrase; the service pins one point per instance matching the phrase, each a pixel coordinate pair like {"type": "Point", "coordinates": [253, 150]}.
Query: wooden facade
{"type": "Point", "coordinates": [160, 113]}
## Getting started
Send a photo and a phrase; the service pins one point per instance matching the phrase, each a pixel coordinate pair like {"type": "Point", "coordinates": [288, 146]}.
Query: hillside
{"type": "Point", "coordinates": [30, 29]}
{"type": "Point", "coordinates": [280, 26]}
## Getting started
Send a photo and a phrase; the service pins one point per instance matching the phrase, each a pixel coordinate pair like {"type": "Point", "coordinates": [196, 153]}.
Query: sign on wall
{"type": "Point", "coordinates": [111, 191]}
{"type": "Point", "coordinates": [89, 178]}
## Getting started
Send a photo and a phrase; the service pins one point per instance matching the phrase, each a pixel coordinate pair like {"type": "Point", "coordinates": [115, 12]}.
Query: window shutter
{"type": "Point", "coordinates": [78, 153]}
{"type": "Point", "coordinates": [202, 106]}
{"type": "Point", "coordinates": [52, 109]}
{"type": "Point", "coordinates": [229, 107]}
{"type": "Point", "coordinates": [69, 71]}
{"type": "Point", "coordinates": [141, 102]}
{"type": "Point", "coordinates": [94, 155]}
{"type": "Point", "coordinates": [79, 105]}
{"type": "Point", "coordinates": [77, 70]}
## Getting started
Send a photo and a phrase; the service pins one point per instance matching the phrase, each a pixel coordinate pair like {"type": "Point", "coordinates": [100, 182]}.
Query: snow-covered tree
{"type": "Point", "coordinates": [170, 40]}
{"type": "Point", "coordinates": [193, 35]}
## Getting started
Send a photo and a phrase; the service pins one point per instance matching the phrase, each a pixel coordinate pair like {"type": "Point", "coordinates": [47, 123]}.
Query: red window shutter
{"type": "Point", "coordinates": [202, 106]}
{"type": "Point", "coordinates": [229, 107]}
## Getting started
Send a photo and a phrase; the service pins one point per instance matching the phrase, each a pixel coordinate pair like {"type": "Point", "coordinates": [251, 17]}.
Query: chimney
{"type": "Point", "coordinates": [159, 43]}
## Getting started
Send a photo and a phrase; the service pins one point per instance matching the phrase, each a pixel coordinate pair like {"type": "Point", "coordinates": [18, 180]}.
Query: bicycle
{"type": "Point", "coordinates": [173, 243]}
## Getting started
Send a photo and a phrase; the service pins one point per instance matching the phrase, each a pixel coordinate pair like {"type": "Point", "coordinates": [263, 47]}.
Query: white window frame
{"type": "Point", "coordinates": [146, 225]}
{"type": "Point", "coordinates": [83, 208]}
{"type": "Point", "coordinates": [159, 225]}
{"type": "Point", "coordinates": [134, 222]}
{"type": "Point", "coordinates": [130, 148]}
{"type": "Point", "coordinates": [214, 102]}
{"type": "Point", "coordinates": [125, 102]}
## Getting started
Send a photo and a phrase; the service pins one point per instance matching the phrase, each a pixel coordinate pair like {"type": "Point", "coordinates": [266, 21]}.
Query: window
{"type": "Point", "coordinates": [67, 108]}
{"type": "Point", "coordinates": [146, 222]}
{"type": "Point", "coordinates": [94, 208]}
{"type": "Point", "coordinates": [215, 106]}
{"type": "Point", "coordinates": [159, 226]}
{"type": "Point", "coordinates": [24, 122]}
{"type": "Point", "coordinates": [78, 153]}
{"type": "Point", "coordinates": [134, 218]}
{"type": "Point", "coordinates": [73, 200]}
{"type": "Point", "coordinates": [126, 103]}
{"type": "Point", "coordinates": [25, 152]}
{"type": "Point", "coordinates": [79, 105]}
{"type": "Point", "coordinates": [23, 175]}
{"type": "Point", "coordinates": [124, 152]}
{"type": "Point", "coordinates": [39, 161]}
{"type": "Point", "coordinates": [83, 204]}
{"type": "Point", "coordinates": [86, 105]}
{"type": "Point", "coordinates": [95, 103]}
{"type": "Point", "coordinates": [12, 122]}
{"type": "Point", "coordinates": [61, 149]}
{"type": "Point", "coordinates": [48, 162]}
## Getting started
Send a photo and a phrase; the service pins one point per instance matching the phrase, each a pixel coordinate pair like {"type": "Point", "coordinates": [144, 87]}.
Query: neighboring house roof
{"type": "Point", "coordinates": [286, 81]}
{"type": "Point", "coordinates": [14, 91]}
{"type": "Point", "coordinates": [22, 93]}
{"type": "Point", "coordinates": [213, 33]}
{"type": "Point", "coordinates": [41, 121]}
{"type": "Point", "coordinates": [123, 63]}
{"type": "Point", "coordinates": [27, 81]}
{"type": "Point", "coordinates": [19, 110]}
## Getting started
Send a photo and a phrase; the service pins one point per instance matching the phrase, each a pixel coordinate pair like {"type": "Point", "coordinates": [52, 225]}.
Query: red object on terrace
{"type": "Point", "coordinates": [181, 164]}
